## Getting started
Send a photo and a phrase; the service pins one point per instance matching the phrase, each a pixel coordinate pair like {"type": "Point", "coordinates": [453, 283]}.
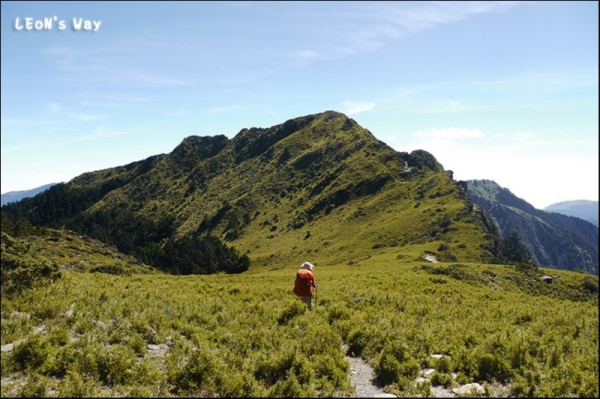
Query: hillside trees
{"type": "Point", "coordinates": [512, 251]}
{"type": "Point", "coordinates": [54, 206]}
{"type": "Point", "coordinates": [7, 225]}
{"type": "Point", "coordinates": [201, 255]}
{"type": "Point", "coordinates": [145, 239]}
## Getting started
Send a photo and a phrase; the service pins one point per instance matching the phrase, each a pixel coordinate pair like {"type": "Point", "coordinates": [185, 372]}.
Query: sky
{"type": "Point", "coordinates": [504, 91]}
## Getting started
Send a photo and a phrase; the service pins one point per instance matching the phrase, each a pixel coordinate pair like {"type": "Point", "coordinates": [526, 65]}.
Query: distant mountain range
{"type": "Point", "coordinates": [14, 196]}
{"type": "Point", "coordinates": [584, 209]}
{"type": "Point", "coordinates": [552, 239]}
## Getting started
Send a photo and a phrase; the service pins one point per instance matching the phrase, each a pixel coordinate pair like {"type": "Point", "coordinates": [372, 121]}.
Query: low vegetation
{"type": "Point", "coordinates": [155, 334]}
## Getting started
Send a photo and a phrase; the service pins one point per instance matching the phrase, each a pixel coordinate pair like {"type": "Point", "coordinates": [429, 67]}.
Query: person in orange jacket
{"type": "Point", "coordinates": [305, 284]}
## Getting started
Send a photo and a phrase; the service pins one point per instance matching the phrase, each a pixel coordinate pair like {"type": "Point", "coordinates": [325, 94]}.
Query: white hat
{"type": "Point", "coordinates": [308, 266]}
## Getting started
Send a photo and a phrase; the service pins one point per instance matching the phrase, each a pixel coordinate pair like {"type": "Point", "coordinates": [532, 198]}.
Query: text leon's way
{"type": "Point", "coordinates": [49, 23]}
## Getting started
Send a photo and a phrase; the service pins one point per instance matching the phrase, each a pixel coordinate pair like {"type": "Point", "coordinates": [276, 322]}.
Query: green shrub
{"type": "Point", "coordinates": [441, 379]}
{"type": "Point", "coordinates": [423, 389]}
{"type": "Point", "coordinates": [274, 369]}
{"type": "Point", "coordinates": [116, 365]}
{"type": "Point", "coordinates": [31, 354]}
{"type": "Point", "coordinates": [76, 385]}
{"type": "Point", "coordinates": [443, 364]}
{"type": "Point", "coordinates": [117, 270]}
{"type": "Point", "coordinates": [235, 384]}
{"type": "Point", "coordinates": [410, 369]}
{"type": "Point", "coordinates": [394, 365]}
{"type": "Point", "coordinates": [197, 375]}
{"type": "Point", "coordinates": [359, 338]}
{"type": "Point", "coordinates": [337, 312]}
{"type": "Point", "coordinates": [146, 373]}
{"type": "Point", "coordinates": [34, 387]}
{"type": "Point", "coordinates": [296, 308]}
{"type": "Point", "coordinates": [59, 336]}
{"type": "Point", "coordinates": [138, 344]}
{"type": "Point", "coordinates": [290, 388]}
{"type": "Point", "coordinates": [388, 369]}
{"type": "Point", "coordinates": [21, 269]}
{"type": "Point", "coordinates": [332, 373]}
{"type": "Point", "coordinates": [590, 284]}
{"type": "Point", "coordinates": [491, 367]}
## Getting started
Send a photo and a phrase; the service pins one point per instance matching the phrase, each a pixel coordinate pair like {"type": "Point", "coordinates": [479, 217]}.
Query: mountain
{"type": "Point", "coordinates": [318, 188]}
{"type": "Point", "coordinates": [552, 239]}
{"type": "Point", "coordinates": [14, 196]}
{"type": "Point", "coordinates": [584, 209]}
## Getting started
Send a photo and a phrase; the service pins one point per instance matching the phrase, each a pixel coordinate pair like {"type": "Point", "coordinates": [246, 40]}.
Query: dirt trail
{"type": "Point", "coordinates": [363, 379]}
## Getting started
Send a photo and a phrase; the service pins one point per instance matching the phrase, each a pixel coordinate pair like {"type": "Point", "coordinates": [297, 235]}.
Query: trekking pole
{"type": "Point", "coordinates": [316, 289]}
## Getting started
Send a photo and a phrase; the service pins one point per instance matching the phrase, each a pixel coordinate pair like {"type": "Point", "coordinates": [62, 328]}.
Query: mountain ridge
{"type": "Point", "coordinates": [552, 239]}
{"type": "Point", "coordinates": [314, 186]}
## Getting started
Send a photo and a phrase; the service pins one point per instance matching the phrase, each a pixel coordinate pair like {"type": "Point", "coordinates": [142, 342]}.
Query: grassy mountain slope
{"type": "Point", "coordinates": [553, 240]}
{"type": "Point", "coordinates": [41, 257]}
{"type": "Point", "coordinates": [315, 187]}
{"type": "Point", "coordinates": [72, 251]}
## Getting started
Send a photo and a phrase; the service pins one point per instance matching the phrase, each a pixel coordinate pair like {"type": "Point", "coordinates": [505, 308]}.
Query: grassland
{"type": "Point", "coordinates": [144, 335]}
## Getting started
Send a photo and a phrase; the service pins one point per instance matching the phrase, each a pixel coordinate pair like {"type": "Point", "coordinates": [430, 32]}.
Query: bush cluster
{"type": "Point", "coordinates": [249, 336]}
{"type": "Point", "coordinates": [22, 269]}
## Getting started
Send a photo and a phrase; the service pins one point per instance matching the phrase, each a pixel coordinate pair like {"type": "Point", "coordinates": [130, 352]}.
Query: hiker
{"type": "Point", "coordinates": [305, 282]}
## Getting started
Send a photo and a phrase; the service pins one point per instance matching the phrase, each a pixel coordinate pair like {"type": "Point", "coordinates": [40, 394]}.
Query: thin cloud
{"type": "Point", "coordinates": [352, 108]}
{"type": "Point", "coordinates": [304, 57]}
{"type": "Point", "coordinates": [219, 110]}
{"type": "Point", "coordinates": [427, 15]}
{"type": "Point", "coordinates": [448, 133]}
{"type": "Point", "coordinates": [119, 64]}
{"type": "Point", "coordinates": [103, 132]}
{"type": "Point", "coordinates": [444, 141]}
{"type": "Point", "coordinates": [452, 105]}
{"type": "Point", "coordinates": [525, 138]}
{"type": "Point", "coordinates": [176, 113]}
{"type": "Point", "coordinates": [84, 117]}
{"type": "Point", "coordinates": [542, 89]}
{"type": "Point", "coordinates": [52, 107]}
{"type": "Point", "coordinates": [377, 24]}
{"type": "Point", "coordinates": [112, 100]}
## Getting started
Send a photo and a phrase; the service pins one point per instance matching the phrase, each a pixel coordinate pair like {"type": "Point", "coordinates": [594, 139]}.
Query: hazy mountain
{"type": "Point", "coordinates": [14, 196]}
{"type": "Point", "coordinates": [552, 239]}
{"type": "Point", "coordinates": [315, 187]}
{"type": "Point", "coordinates": [584, 209]}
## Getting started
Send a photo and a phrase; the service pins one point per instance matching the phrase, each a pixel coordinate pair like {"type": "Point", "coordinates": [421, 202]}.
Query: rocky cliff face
{"type": "Point", "coordinates": [553, 240]}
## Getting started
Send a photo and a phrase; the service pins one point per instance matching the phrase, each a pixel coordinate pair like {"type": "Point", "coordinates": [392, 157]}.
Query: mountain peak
{"type": "Point", "coordinates": [316, 183]}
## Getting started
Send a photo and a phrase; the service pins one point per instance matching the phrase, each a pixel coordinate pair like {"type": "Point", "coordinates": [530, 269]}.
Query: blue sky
{"type": "Point", "coordinates": [503, 91]}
